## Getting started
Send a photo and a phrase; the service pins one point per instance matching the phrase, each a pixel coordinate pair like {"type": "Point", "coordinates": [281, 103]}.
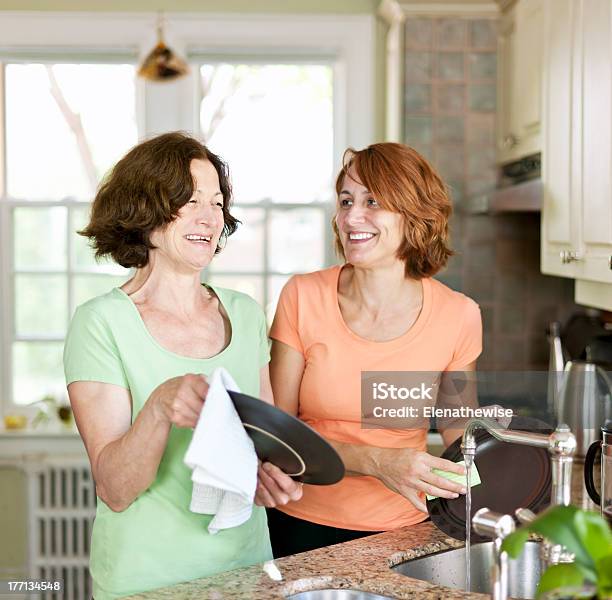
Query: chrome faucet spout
{"type": "Point", "coordinates": [498, 431]}
{"type": "Point", "coordinates": [468, 447]}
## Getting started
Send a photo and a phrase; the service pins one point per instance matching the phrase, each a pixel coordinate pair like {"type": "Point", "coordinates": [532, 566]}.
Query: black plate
{"type": "Point", "coordinates": [287, 442]}
{"type": "Point", "coordinates": [512, 475]}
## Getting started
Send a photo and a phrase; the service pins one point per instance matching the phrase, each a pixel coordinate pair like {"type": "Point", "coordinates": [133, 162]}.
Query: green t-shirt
{"type": "Point", "coordinates": [157, 541]}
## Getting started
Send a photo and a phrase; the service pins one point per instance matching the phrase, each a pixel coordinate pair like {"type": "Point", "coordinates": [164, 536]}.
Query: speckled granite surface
{"type": "Point", "coordinates": [362, 564]}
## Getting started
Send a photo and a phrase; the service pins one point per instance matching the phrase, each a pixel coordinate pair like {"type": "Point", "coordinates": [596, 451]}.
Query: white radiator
{"type": "Point", "coordinates": [62, 505]}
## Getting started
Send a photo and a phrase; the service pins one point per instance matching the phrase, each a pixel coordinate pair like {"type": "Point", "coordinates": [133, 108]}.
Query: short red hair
{"type": "Point", "coordinates": [402, 181]}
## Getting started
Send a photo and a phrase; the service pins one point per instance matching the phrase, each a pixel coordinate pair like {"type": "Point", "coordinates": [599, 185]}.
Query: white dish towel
{"type": "Point", "coordinates": [223, 459]}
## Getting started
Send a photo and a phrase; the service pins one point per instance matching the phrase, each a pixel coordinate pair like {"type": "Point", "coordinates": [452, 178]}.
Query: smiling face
{"type": "Point", "coordinates": [370, 235]}
{"type": "Point", "coordinates": [190, 240]}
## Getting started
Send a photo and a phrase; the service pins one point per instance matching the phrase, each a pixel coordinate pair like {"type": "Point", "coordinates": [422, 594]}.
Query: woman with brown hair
{"type": "Point", "coordinates": [379, 311]}
{"type": "Point", "coordinates": [136, 361]}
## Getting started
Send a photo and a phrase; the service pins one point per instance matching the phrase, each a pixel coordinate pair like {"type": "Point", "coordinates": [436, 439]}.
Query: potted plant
{"type": "Point", "coordinates": [48, 406]}
{"type": "Point", "coordinates": [583, 533]}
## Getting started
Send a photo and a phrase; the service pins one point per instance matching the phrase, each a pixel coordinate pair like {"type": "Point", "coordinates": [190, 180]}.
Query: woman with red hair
{"type": "Point", "coordinates": [379, 311]}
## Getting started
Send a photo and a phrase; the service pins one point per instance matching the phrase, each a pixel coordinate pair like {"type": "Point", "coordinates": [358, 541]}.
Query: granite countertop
{"type": "Point", "coordinates": [362, 564]}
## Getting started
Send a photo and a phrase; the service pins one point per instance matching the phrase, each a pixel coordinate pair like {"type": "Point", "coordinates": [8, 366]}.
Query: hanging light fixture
{"type": "Point", "coordinates": [162, 63]}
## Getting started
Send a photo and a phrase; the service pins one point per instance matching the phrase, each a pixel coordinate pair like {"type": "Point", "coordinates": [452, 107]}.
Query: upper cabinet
{"type": "Point", "coordinates": [561, 210]}
{"type": "Point", "coordinates": [577, 139]}
{"type": "Point", "coordinates": [596, 144]}
{"type": "Point", "coordinates": [520, 81]}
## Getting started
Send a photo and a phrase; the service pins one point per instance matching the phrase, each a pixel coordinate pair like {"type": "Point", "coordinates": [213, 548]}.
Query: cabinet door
{"type": "Point", "coordinates": [561, 153]}
{"type": "Point", "coordinates": [507, 138]}
{"type": "Point", "coordinates": [597, 140]}
{"type": "Point", "coordinates": [528, 49]}
{"type": "Point", "coordinates": [520, 80]}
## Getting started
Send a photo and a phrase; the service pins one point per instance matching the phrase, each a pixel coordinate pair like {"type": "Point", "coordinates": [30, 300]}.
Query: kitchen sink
{"type": "Point", "coordinates": [447, 568]}
{"type": "Point", "coordinates": [337, 595]}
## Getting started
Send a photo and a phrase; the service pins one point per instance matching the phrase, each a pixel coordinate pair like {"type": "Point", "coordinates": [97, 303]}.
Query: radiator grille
{"type": "Point", "coordinates": [62, 508]}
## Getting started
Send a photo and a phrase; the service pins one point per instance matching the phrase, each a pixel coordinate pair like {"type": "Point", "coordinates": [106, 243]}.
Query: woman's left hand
{"type": "Point", "coordinates": [275, 488]}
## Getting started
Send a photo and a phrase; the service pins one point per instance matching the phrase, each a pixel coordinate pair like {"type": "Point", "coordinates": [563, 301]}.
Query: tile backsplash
{"type": "Point", "coordinates": [449, 116]}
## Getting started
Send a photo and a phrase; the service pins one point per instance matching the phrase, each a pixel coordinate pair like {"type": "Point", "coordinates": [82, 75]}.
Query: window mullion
{"type": "Point", "coordinates": [7, 328]}
{"type": "Point", "coordinates": [2, 134]}
{"type": "Point", "coordinates": [328, 236]}
{"type": "Point", "coordinates": [5, 312]}
{"type": "Point", "coordinates": [70, 194]}
{"type": "Point", "coordinates": [266, 249]}
{"type": "Point", "coordinates": [69, 281]}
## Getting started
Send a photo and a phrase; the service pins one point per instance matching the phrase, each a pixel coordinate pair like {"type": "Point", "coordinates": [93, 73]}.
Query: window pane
{"type": "Point", "coordinates": [37, 371]}
{"type": "Point", "coordinates": [82, 254]}
{"type": "Point", "coordinates": [273, 124]}
{"type": "Point", "coordinates": [248, 284]}
{"type": "Point", "coordinates": [296, 240]}
{"type": "Point", "coordinates": [63, 127]}
{"type": "Point", "coordinates": [88, 286]}
{"type": "Point", "coordinates": [244, 249]}
{"type": "Point", "coordinates": [40, 305]}
{"type": "Point", "coordinates": [275, 286]}
{"type": "Point", "coordinates": [39, 238]}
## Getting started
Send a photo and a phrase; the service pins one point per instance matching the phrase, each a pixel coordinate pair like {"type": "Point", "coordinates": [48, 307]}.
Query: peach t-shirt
{"type": "Point", "coordinates": [447, 335]}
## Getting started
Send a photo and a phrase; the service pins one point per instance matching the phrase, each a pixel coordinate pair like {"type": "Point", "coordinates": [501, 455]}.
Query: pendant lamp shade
{"type": "Point", "coordinates": [162, 63]}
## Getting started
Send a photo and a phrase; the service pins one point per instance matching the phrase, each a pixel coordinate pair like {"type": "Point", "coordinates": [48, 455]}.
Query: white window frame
{"type": "Point", "coordinates": [265, 273]}
{"type": "Point", "coordinates": [198, 56]}
{"type": "Point", "coordinates": [349, 39]}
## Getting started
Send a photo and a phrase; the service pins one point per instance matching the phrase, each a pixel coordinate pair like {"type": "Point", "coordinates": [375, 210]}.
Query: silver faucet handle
{"type": "Point", "coordinates": [492, 524]}
{"type": "Point", "coordinates": [497, 526]}
{"type": "Point", "coordinates": [524, 515]}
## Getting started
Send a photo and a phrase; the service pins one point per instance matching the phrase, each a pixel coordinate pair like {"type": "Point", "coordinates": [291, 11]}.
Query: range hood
{"type": "Point", "coordinates": [520, 189]}
{"type": "Point", "coordinates": [525, 197]}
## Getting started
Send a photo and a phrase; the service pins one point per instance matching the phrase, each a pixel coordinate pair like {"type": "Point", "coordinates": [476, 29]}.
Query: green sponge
{"type": "Point", "coordinates": [474, 476]}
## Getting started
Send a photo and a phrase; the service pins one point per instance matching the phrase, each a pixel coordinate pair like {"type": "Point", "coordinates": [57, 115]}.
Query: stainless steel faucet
{"type": "Point", "coordinates": [561, 445]}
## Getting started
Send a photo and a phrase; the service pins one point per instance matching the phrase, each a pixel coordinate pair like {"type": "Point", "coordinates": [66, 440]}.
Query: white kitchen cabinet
{"type": "Point", "coordinates": [562, 203]}
{"type": "Point", "coordinates": [597, 140]}
{"type": "Point", "coordinates": [577, 140]}
{"type": "Point", "coordinates": [520, 80]}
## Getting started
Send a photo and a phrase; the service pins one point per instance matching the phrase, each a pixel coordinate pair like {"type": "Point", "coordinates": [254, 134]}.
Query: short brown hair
{"type": "Point", "coordinates": [145, 190]}
{"type": "Point", "coordinates": [402, 181]}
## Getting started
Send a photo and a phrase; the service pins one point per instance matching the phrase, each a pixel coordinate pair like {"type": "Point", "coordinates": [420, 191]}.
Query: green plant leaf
{"type": "Point", "coordinates": [514, 543]}
{"type": "Point", "coordinates": [590, 574]}
{"type": "Point", "coordinates": [594, 533]}
{"type": "Point", "coordinates": [558, 526]}
{"type": "Point", "coordinates": [604, 577]}
{"type": "Point", "coordinates": [584, 533]}
{"type": "Point", "coordinates": [560, 578]}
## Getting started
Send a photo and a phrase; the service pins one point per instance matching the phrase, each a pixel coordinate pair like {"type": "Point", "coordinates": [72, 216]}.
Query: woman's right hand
{"type": "Point", "coordinates": [408, 472]}
{"type": "Point", "coordinates": [178, 401]}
